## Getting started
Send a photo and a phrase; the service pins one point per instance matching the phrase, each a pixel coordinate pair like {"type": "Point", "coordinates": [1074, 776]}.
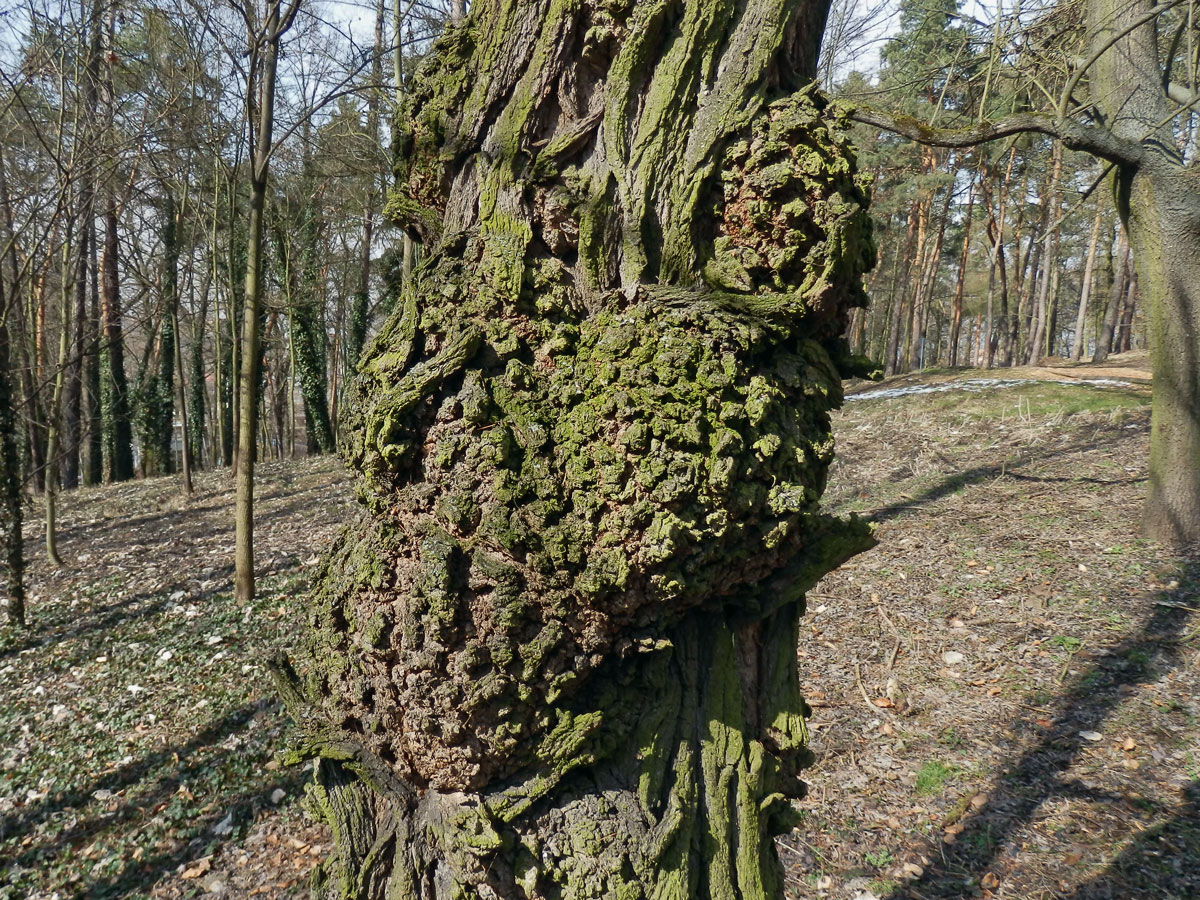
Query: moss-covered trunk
{"type": "Point", "coordinates": [307, 299]}
{"type": "Point", "coordinates": [556, 655]}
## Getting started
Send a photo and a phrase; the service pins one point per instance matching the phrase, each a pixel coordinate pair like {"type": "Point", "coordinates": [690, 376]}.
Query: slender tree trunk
{"type": "Point", "coordinates": [54, 432]}
{"type": "Point", "coordinates": [1029, 279]}
{"type": "Point", "coordinates": [1124, 333]}
{"type": "Point", "coordinates": [72, 442]}
{"type": "Point", "coordinates": [93, 466]}
{"type": "Point", "coordinates": [1120, 277]}
{"type": "Point", "coordinates": [915, 332]}
{"type": "Point", "coordinates": [892, 354]}
{"type": "Point", "coordinates": [956, 304]}
{"type": "Point", "coordinates": [1052, 325]}
{"type": "Point", "coordinates": [185, 447]}
{"type": "Point", "coordinates": [361, 305]}
{"type": "Point", "coordinates": [1049, 253]}
{"type": "Point", "coordinates": [277, 22]}
{"type": "Point", "coordinates": [197, 394]}
{"type": "Point", "coordinates": [159, 390]}
{"type": "Point", "coordinates": [10, 472]}
{"type": "Point", "coordinates": [985, 349]}
{"type": "Point", "coordinates": [93, 473]}
{"type": "Point", "coordinates": [308, 321]}
{"type": "Point", "coordinates": [116, 386]}
{"type": "Point", "coordinates": [928, 287]}
{"type": "Point", "coordinates": [26, 341]}
{"type": "Point", "coordinates": [1085, 290]}
{"type": "Point", "coordinates": [997, 264]}
{"type": "Point", "coordinates": [1005, 334]}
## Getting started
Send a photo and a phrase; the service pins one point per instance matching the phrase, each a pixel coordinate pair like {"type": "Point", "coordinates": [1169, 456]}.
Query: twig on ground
{"type": "Point", "coordinates": [1070, 656]}
{"type": "Point", "coordinates": [1177, 605]}
{"type": "Point", "coordinates": [892, 659]}
{"type": "Point", "coordinates": [862, 690]}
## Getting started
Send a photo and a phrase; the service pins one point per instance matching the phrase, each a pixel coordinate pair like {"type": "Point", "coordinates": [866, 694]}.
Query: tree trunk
{"type": "Point", "coordinates": [185, 448]}
{"type": "Point", "coordinates": [915, 332]}
{"type": "Point", "coordinates": [27, 358]}
{"type": "Point", "coordinates": [1120, 276]}
{"type": "Point", "coordinates": [197, 420]}
{"type": "Point", "coordinates": [928, 286]}
{"type": "Point", "coordinates": [55, 417]}
{"type": "Point", "coordinates": [308, 327]}
{"type": "Point", "coordinates": [1123, 339]}
{"type": "Point", "coordinates": [158, 394]}
{"type": "Point", "coordinates": [1037, 334]}
{"type": "Point", "coordinates": [997, 265]}
{"type": "Point", "coordinates": [116, 386]}
{"type": "Point", "coordinates": [277, 23]}
{"type": "Point", "coordinates": [93, 472]}
{"type": "Point", "coordinates": [1165, 235]}
{"type": "Point", "coordinates": [361, 304]}
{"type": "Point", "coordinates": [556, 657]}
{"type": "Point", "coordinates": [1051, 329]}
{"type": "Point", "coordinates": [956, 304]}
{"type": "Point", "coordinates": [72, 438]}
{"type": "Point", "coordinates": [891, 361]}
{"type": "Point", "coordinates": [93, 465]}
{"type": "Point", "coordinates": [10, 472]}
{"type": "Point", "coordinates": [1085, 291]}
{"type": "Point", "coordinates": [1158, 200]}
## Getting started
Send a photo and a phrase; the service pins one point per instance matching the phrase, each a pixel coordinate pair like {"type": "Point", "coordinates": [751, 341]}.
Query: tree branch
{"type": "Point", "coordinates": [1074, 135]}
{"type": "Point", "coordinates": [1181, 94]}
{"type": "Point", "coordinates": [1065, 100]}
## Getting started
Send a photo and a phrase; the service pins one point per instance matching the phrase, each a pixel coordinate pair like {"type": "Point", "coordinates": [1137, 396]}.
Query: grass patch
{"type": "Point", "coordinates": [933, 777]}
{"type": "Point", "coordinates": [878, 858]}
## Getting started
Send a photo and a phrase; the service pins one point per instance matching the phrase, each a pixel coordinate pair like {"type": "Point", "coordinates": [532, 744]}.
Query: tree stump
{"type": "Point", "coordinates": [556, 655]}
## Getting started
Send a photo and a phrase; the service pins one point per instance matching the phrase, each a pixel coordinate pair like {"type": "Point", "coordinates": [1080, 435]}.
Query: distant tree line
{"type": "Point", "coordinates": [125, 193]}
{"type": "Point", "coordinates": [996, 254]}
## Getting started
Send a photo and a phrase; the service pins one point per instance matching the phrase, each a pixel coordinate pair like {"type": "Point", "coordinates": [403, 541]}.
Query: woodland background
{"type": "Point", "coordinates": [1030, 650]}
{"type": "Point", "coordinates": [124, 186]}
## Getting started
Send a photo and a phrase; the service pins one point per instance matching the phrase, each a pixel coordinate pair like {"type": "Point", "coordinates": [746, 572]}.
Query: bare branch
{"type": "Point", "coordinates": [1074, 135]}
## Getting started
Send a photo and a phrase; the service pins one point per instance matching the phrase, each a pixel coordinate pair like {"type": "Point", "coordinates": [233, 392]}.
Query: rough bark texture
{"type": "Point", "coordinates": [556, 656]}
{"type": "Point", "coordinates": [1159, 202]}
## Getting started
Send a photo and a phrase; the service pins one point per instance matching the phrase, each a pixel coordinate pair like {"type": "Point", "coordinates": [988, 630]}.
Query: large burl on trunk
{"type": "Point", "coordinates": [555, 657]}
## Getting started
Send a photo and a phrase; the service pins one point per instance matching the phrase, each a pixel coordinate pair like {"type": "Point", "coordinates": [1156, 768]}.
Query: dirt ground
{"type": "Point", "coordinates": [1005, 688]}
{"type": "Point", "coordinates": [1004, 691]}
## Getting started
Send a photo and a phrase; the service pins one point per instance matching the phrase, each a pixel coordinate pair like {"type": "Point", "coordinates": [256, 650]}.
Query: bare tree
{"type": "Point", "coordinates": [265, 40]}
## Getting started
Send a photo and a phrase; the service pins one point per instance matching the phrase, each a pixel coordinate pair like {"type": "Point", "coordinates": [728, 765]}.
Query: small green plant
{"type": "Point", "coordinates": [1066, 642]}
{"type": "Point", "coordinates": [950, 738]}
{"type": "Point", "coordinates": [1191, 764]}
{"type": "Point", "coordinates": [933, 776]}
{"type": "Point", "coordinates": [878, 858]}
{"type": "Point", "coordinates": [1137, 657]}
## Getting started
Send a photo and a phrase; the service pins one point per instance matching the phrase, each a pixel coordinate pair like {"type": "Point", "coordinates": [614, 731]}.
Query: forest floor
{"type": "Point", "coordinates": [1004, 690]}
{"type": "Point", "coordinates": [138, 726]}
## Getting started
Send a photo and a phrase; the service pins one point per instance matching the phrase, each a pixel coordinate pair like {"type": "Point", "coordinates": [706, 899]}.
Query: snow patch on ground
{"type": "Point", "coordinates": [976, 385]}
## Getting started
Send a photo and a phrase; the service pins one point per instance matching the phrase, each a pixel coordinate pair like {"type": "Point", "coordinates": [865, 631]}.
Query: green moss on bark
{"type": "Point", "coordinates": [592, 441]}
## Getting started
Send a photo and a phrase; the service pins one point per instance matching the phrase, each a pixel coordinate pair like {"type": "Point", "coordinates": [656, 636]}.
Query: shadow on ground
{"type": "Point", "coordinates": [1171, 849]}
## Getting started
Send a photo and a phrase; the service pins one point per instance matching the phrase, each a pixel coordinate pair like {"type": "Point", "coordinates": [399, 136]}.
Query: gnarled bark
{"type": "Point", "coordinates": [556, 655]}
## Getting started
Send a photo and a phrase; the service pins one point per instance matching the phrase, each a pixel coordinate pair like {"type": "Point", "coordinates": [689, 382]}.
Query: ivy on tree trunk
{"type": "Point", "coordinates": [556, 655]}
